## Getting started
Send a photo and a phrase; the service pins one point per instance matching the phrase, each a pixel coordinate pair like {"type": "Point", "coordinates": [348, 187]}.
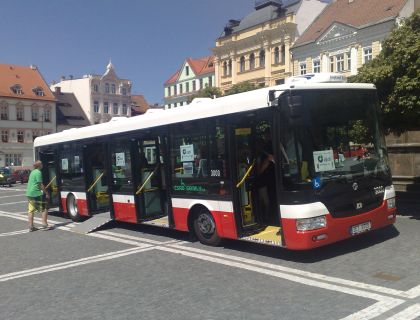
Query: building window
{"type": "Point", "coordinates": [35, 134]}
{"type": "Point", "coordinates": [262, 58]}
{"type": "Point", "coordinates": [95, 88]}
{"type": "Point", "coordinates": [124, 91]}
{"type": "Point", "coordinates": [230, 67]}
{"type": "Point", "coordinates": [106, 107]}
{"type": "Point", "coordinates": [276, 55]}
{"type": "Point", "coordinates": [106, 87]}
{"type": "Point", "coordinates": [367, 54]}
{"type": "Point", "coordinates": [169, 91]}
{"type": "Point", "coordinates": [210, 81]}
{"type": "Point", "coordinates": [187, 87]}
{"type": "Point", "coordinates": [115, 108]}
{"type": "Point", "coordinates": [187, 70]}
{"type": "Point", "coordinates": [225, 68]}
{"type": "Point", "coordinates": [20, 136]}
{"type": "Point", "coordinates": [180, 88]}
{"type": "Point", "coordinates": [201, 84]}
{"type": "Point", "coordinates": [16, 89]}
{"type": "Point", "coordinates": [124, 109]}
{"type": "Point", "coordinates": [4, 112]}
{"type": "Point", "coordinates": [175, 90]}
{"type": "Point", "coordinates": [47, 114]}
{"type": "Point", "coordinates": [38, 91]}
{"type": "Point", "coordinates": [35, 115]}
{"type": "Point", "coordinates": [13, 159]}
{"type": "Point", "coordinates": [331, 64]}
{"type": "Point", "coordinates": [242, 64]}
{"type": "Point", "coordinates": [20, 113]}
{"type": "Point", "coordinates": [4, 135]}
{"type": "Point", "coordinates": [302, 68]}
{"type": "Point", "coordinates": [194, 85]}
{"type": "Point", "coordinates": [283, 53]}
{"type": "Point", "coordinates": [317, 66]}
{"type": "Point", "coordinates": [113, 88]}
{"type": "Point", "coordinates": [348, 61]}
{"type": "Point", "coordinates": [340, 62]}
{"type": "Point", "coordinates": [252, 61]}
{"type": "Point", "coordinates": [95, 106]}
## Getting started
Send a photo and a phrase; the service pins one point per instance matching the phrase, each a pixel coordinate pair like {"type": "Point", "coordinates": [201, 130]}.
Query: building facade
{"type": "Point", "coordinates": [100, 96]}
{"type": "Point", "coordinates": [69, 112]}
{"type": "Point", "coordinates": [257, 48]}
{"type": "Point", "coordinates": [194, 75]}
{"type": "Point", "coordinates": [347, 34]}
{"type": "Point", "coordinates": [27, 110]}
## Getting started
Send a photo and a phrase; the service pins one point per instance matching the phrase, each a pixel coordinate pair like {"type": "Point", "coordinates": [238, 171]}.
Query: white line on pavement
{"type": "Point", "coordinates": [6, 234]}
{"type": "Point", "coordinates": [14, 195]}
{"type": "Point", "coordinates": [11, 189]}
{"type": "Point", "coordinates": [410, 313]}
{"type": "Point", "coordinates": [73, 263]}
{"type": "Point", "coordinates": [3, 204]}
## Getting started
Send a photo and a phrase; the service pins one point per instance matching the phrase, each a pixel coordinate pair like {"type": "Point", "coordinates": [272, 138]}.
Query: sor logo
{"type": "Point", "coordinates": [355, 186]}
{"type": "Point", "coordinates": [378, 190]}
{"type": "Point", "coordinates": [320, 158]}
{"type": "Point", "coordinates": [359, 205]}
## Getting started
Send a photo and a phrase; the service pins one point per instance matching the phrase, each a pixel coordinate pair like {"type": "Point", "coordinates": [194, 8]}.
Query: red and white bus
{"type": "Point", "coordinates": [273, 166]}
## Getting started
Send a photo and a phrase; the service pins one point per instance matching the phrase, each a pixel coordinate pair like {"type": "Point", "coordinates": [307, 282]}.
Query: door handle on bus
{"type": "Point", "coordinates": [95, 182]}
{"type": "Point", "coordinates": [139, 190]}
{"type": "Point", "coordinates": [246, 175]}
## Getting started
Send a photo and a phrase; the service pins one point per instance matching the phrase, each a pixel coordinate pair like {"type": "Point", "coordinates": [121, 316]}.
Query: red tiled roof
{"type": "Point", "coordinates": [357, 13]}
{"type": "Point", "coordinates": [139, 104]}
{"type": "Point", "coordinates": [28, 78]}
{"type": "Point", "coordinates": [199, 66]}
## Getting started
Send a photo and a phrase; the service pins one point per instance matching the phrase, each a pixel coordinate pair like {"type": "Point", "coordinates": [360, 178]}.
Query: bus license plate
{"type": "Point", "coordinates": [360, 228]}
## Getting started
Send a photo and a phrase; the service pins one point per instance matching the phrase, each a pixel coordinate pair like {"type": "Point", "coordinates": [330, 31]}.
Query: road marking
{"type": "Point", "coordinates": [73, 263]}
{"type": "Point", "coordinates": [4, 204]}
{"type": "Point", "coordinates": [15, 195]}
{"type": "Point", "coordinates": [410, 313]}
{"type": "Point", "coordinates": [11, 189]}
{"type": "Point", "coordinates": [6, 234]}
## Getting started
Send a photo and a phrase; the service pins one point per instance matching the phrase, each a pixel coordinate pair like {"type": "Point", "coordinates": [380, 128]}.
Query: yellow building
{"type": "Point", "coordinates": [256, 48]}
{"type": "Point", "coordinates": [347, 34]}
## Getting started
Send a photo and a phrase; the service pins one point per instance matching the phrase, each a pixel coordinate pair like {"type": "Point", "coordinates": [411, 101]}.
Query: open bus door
{"type": "Point", "coordinates": [49, 176]}
{"type": "Point", "coordinates": [138, 185]}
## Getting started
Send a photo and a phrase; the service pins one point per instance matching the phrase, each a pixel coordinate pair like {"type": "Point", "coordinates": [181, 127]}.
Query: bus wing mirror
{"type": "Point", "coordinates": [295, 106]}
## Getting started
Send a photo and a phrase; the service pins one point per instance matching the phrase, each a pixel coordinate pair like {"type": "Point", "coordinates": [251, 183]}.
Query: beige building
{"type": "Point", "coordinates": [256, 48]}
{"type": "Point", "coordinates": [27, 110]}
{"type": "Point", "coordinates": [100, 96]}
{"type": "Point", "coordinates": [347, 34]}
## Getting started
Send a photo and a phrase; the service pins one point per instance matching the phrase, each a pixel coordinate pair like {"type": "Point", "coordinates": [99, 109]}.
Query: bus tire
{"type": "Point", "coordinates": [72, 208]}
{"type": "Point", "coordinates": [205, 228]}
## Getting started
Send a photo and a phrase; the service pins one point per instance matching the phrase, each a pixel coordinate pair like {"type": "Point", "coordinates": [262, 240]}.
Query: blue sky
{"type": "Point", "coordinates": [146, 39]}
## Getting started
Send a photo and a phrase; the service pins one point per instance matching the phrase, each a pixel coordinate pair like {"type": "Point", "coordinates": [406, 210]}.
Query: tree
{"type": "Point", "coordinates": [207, 92]}
{"type": "Point", "coordinates": [396, 74]}
{"type": "Point", "coordinates": [241, 87]}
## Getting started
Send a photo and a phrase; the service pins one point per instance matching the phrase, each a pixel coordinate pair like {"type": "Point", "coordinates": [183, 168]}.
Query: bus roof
{"type": "Point", "coordinates": [207, 108]}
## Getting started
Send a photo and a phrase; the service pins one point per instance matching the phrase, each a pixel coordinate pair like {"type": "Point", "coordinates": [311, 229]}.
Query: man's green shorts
{"type": "Point", "coordinates": [37, 204]}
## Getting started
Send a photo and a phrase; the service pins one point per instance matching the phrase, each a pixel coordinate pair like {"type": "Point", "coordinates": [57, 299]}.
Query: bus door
{"type": "Point", "coordinates": [49, 176]}
{"type": "Point", "coordinates": [150, 190]}
{"type": "Point", "coordinates": [96, 177]}
{"type": "Point", "coordinates": [255, 184]}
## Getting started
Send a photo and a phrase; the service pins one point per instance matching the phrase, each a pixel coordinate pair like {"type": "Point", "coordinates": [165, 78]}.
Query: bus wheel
{"type": "Point", "coordinates": [205, 228]}
{"type": "Point", "coordinates": [72, 209]}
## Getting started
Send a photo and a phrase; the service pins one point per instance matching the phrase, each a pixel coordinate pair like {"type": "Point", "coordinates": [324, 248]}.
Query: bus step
{"type": "Point", "coordinates": [93, 223]}
{"type": "Point", "coordinates": [270, 235]}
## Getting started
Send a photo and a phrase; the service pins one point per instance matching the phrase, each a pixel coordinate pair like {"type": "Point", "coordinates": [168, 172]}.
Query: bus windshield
{"type": "Point", "coordinates": [337, 136]}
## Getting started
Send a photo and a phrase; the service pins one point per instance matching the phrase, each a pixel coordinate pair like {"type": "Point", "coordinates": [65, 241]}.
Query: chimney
{"type": "Point", "coordinates": [57, 89]}
{"type": "Point", "coordinates": [63, 78]}
{"type": "Point", "coordinates": [71, 77]}
{"type": "Point", "coordinates": [33, 67]}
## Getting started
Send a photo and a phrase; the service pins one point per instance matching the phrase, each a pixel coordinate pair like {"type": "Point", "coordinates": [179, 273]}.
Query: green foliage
{"type": "Point", "coordinates": [241, 87]}
{"type": "Point", "coordinates": [207, 92]}
{"type": "Point", "coordinates": [396, 74]}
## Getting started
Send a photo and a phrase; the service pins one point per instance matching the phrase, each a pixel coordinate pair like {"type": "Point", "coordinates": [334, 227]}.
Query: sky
{"type": "Point", "coordinates": [147, 40]}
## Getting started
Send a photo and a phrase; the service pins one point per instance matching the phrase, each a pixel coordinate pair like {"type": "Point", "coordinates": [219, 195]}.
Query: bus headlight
{"type": "Point", "coordinates": [391, 203]}
{"type": "Point", "coordinates": [311, 223]}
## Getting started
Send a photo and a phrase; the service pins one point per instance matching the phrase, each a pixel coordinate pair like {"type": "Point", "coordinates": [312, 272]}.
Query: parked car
{"type": "Point", "coordinates": [21, 175]}
{"type": "Point", "coordinates": [6, 177]}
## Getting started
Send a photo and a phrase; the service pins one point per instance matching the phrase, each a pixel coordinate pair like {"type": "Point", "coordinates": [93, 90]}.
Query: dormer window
{"type": "Point", "coordinates": [187, 70]}
{"type": "Point", "coordinates": [16, 89]}
{"type": "Point", "coordinates": [38, 91]}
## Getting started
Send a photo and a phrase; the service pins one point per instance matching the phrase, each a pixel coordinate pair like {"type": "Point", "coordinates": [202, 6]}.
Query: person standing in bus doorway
{"type": "Point", "coordinates": [37, 198]}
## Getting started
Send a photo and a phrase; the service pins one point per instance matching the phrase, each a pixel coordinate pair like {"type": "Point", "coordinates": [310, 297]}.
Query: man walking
{"type": "Point", "coordinates": [37, 198]}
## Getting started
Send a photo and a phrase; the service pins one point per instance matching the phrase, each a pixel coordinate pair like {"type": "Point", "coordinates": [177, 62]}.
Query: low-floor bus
{"type": "Point", "coordinates": [298, 165]}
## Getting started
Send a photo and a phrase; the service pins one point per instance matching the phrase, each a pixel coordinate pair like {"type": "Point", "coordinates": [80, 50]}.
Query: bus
{"type": "Point", "coordinates": [280, 166]}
